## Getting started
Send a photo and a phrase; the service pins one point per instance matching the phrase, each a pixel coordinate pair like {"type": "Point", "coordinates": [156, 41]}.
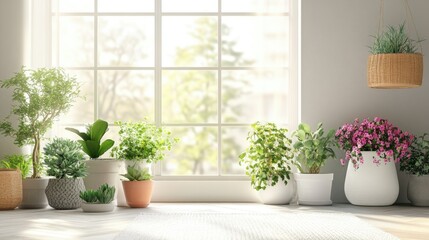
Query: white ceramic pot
{"type": "Point", "coordinates": [314, 189]}
{"type": "Point", "coordinates": [97, 207]}
{"type": "Point", "coordinates": [121, 201]}
{"type": "Point", "coordinates": [278, 194]}
{"type": "Point", "coordinates": [101, 171]}
{"type": "Point", "coordinates": [371, 184]}
{"type": "Point", "coordinates": [33, 193]}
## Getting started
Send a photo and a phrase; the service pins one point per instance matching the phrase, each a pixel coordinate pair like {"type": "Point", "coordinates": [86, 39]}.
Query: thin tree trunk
{"type": "Point", "coordinates": [36, 157]}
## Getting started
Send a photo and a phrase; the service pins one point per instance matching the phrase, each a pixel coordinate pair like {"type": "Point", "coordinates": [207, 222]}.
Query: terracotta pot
{"type": "Point", "coordinates": [138, 193]}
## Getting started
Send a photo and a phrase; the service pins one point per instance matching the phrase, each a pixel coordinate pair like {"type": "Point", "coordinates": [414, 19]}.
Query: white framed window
{"type": "Point", "coordinates": [204, 69]}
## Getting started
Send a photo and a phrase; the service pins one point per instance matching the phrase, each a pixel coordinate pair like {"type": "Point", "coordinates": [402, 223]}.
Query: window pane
{"type": "Point", "coordinates": [195, 154]}
{"type": "Point", "coordinates": [126, 6]}
{"type": "Point", "coordinates": [189, 6]}
{"type": "Point", "coordinates": [73, 5]}
{"type": "Point", "coordinates": [83, 109]}
{"type": "Point", "coordinates": [126, 41]}
{"type": "Point", "coordinates": [189, 96]}
{"type": "Point", "coordinates": [76, 41]}
{"type": "Point", "coordinates": [249, 96]}
{"type": "Point", "coordinates": [255, 5]}
{"type": "Point", "coordinates": [189, 41]}
{"type": "Point", "coordinates": [233, 144]}
{"type": "Point", "coordinates": [125, 95]}
{"type": "Point", "coordinates": [263, 41]}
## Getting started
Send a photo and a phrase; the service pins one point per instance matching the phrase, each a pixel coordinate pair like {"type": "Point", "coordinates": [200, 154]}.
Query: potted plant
{"type": "Point", "coordinates": [99, 200]}
{"type": "Point", "coordinates": [313, 149]}
{"type": "Point", "coordinates": [52, 93]}
{"type": "Point", "coordinates": [139, 187]}
{"type": "Point", "coordinates": [100, 170]}
{"type": "Point", "coordinates": [141, 144]}
{"type": "Point", "coordinates": [268, 160]}
{"type": "Point", "coordinates": [418, 168]}
{"type": "Point", "coordinates": [64, 161]}
{"type": "Point", "coordinates": [372, 149]}
{"type": "Point", "coordinates": [394, 62]}
{"type": "Point", "coordinates": [22, 164]}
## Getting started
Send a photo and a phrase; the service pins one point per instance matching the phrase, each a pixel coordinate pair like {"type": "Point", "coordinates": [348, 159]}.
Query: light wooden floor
{"type": "Point", "coordinates": [405, 222]}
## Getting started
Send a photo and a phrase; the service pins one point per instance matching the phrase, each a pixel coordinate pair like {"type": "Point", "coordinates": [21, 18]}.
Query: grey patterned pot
{"type": "Point", "coordinates": [418, 191]}
{"type": "Point", "coordinates": [64, 193]}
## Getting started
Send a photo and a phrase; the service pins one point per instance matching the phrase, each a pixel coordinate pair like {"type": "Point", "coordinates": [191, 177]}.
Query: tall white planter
{"type": "Point", "coordinates": [371, 185]}
{"type": "Point", "coordinates": [279, 194]}
{"type": "Point", "coordinates": [314, 189]}
{"type": "Point", "coordinates": [101, 171]}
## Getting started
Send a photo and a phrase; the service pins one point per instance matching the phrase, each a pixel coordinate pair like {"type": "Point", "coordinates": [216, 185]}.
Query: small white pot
{"type": "Point", "coordinates": [97, 207]}
{"type": "Point", "coordinates": [278, 194]}
{"type": "Point", "coordinates": [101, 171]}
{"type": "Point", "coordinates": [314, 189]}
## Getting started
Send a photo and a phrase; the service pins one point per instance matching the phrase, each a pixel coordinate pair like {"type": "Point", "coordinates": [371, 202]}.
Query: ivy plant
{"type": "Point", "coordinates": [269, 156]}
{"type": "Point", "coordinates": [20, 162]}
{"type": "Point", "coordinates": [103, 195]}
{"type": "Point", "coordinates": [91, 139]}
{"type": "Point", "coordinates": [39, 96]}
{"type": "Point", "coordinates": [64, 159]}
{"type": "Point", "coordinates": [142, 141]}
{"type": "Point", "coordinates": [313, 148]}
{"type": "Point", "coordinates": [136, 174]}
{"type": "Point", "coordinates": [418, 163]}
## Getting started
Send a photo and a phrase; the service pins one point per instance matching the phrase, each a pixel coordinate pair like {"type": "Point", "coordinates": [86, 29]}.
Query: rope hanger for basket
{"type": "Point", "coordinates": [408, 16]}
{"type": "Point", "coordinates": [396, 70]}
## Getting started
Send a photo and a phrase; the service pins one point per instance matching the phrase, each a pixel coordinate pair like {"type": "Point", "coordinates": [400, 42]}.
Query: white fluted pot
{"type": "Point", "coordinates": [279, 194]}
{"type": "Point", "coordinates": [314, 189]}
{"type": "Point", "coordinates": [372, 184]}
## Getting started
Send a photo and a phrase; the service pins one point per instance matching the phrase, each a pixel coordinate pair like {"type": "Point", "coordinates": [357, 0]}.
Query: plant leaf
{"type": "Point", "coordinates": [98, 130]}
{"type": "Point", "coordinates": [106, 145]}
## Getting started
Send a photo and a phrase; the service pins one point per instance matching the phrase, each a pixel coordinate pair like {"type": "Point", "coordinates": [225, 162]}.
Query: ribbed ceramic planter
{"type": "Point", "coordinates": [10, 188]}
{"type": "Point", "coordinates": [314, 189]}
{"type": "Point", "coordinates": [97, 207]}
{"type": "Point", "coordinates": [101, 171]}
{"type": "Point", "coordinates": [138, 193]}
{"type": "Point", "coordinates": [34, 196]}
{"type": "Point", "coordinates": [64, 193]}
{"type": "Point", "coordinates": [371, 184]}
{"type": "Point", "coordinates": [418, 190]}
{"type": "Point", "coordinates": [279, 194]}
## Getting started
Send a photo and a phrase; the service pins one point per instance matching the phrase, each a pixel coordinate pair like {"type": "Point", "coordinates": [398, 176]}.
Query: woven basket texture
{"type": "Point", "coordinates": [401, 70]}
{"type": "Point", "coordinates": [10, 188]}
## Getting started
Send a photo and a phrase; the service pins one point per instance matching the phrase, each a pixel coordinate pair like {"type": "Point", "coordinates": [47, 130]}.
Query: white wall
{"type": "Point", "coordinates": [335, 35]}
{"type": "Point", "coordinates": [11, 57]}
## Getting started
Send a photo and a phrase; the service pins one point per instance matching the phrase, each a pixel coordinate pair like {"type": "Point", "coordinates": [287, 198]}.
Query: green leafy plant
{"type": "Point", "coordinates": [20, 162]}
{"type": "Point", "coordinates": [39, 97]}
{"type": "Point", "coordinates": [141, 141]}
{"type": "Point", "coordinates": [313, 148]}
{"type": "Point", "coordinates": [136, 174]}
{"type": "Point", "coordinates": [394, 40]}
{"type": "Point", "coordinates": [269, 156]}
{"type": "Point", "coordinates": [64, 159]}
{"type": "Point", "coordinates": [418, 163]}
{"type": "Point", "coordinates": [103, 195]}
{"type": "Point", "coordinates": [91, 139]}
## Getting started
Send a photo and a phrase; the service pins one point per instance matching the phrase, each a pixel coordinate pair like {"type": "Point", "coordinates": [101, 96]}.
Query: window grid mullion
{"type": "Point", "coordinates": [96, 60]}
{"type": "Point", "coordinates": [157, 168]}
{"type": "Point", "coordinates": [219, 86]}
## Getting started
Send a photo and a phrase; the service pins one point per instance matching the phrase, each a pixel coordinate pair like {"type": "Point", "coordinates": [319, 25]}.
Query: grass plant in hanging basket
{"type": "Point", "coordinates": [395, 62]}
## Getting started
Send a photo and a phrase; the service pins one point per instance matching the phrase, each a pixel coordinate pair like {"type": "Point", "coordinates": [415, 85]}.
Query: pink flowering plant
{"type": "Point", "coordinates": [389, 142]}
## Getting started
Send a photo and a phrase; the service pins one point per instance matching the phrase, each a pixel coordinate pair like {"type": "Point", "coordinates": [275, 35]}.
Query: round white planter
{"type": "Point", "coordinates": [314, 189]}
{"type": "Point", "coordinates": [97, 207]}
{"type": "Point", "coordinates": [33, 193]}
{"type": "Point", "coordinates": [371, 185]}
{"type": "Point", "coordinates": [278, 194]}
{"type": "Point", "coordinates": [418, 191]}
{"type": "Point", "coordinates": [121, 201]}
{"type": "Point", "coordinates": [101, 171]}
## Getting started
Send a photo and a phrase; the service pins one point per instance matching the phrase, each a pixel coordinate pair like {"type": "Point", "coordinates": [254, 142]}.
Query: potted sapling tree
{"type": "Point", "coordinates": [34, 109]}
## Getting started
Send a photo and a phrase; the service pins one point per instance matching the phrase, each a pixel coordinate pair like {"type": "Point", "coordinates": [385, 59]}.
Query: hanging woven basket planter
{"type": "Point", "coordinates": [395, 70]}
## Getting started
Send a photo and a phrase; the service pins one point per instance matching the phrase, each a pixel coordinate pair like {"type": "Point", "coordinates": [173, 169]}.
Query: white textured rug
{"type": "Point", "coordinates": [250, 226]}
